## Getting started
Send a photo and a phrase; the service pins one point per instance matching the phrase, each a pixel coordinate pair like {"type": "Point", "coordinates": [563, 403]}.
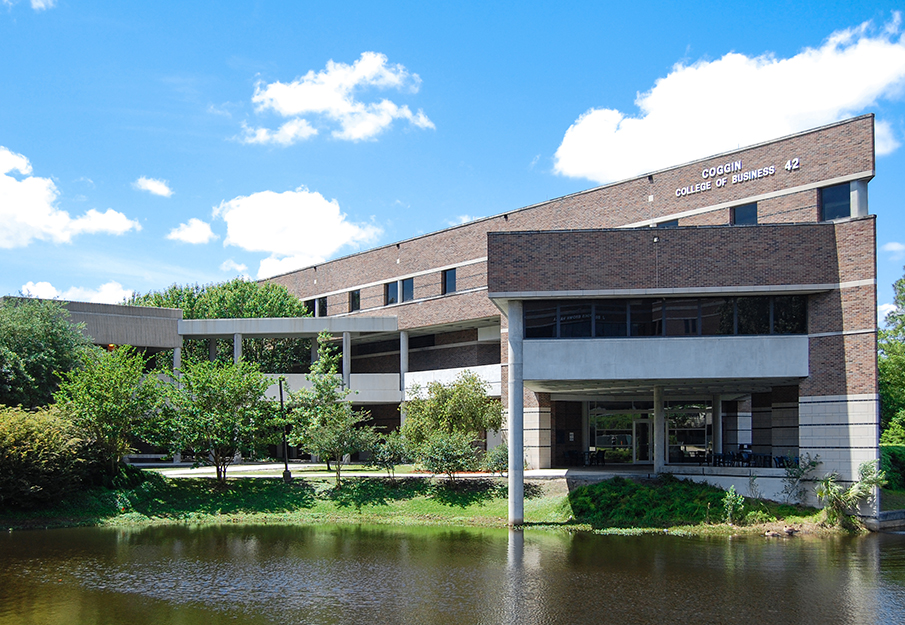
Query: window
{"type": "Point", "coordinates": [682, 317]}
{"type": "Point", "coordinates": [574, 319]}
{"type": "Point", "coordinates": [540, 320]}
{"type": "Point", "coordinates": [309, 306]}
{"type": "Point", "coordinates": [673, 223]}
{"type": "Point", "coordinates": [321, 306]}
{"type": "Point", "coordinates": [390, 293]}
{"type": "Point", "coordinates": [745, 215]}
{"type": "Point", "coordinates": [449, 282]}
{"type": "Point", "coordinates": [408, 289]}
{"type": "Point", "coordinates": [753, 315]}
{"type": "Point", "coordinates": [644, 320]}
{"type": "Point", "coordinates": [354, 300]}
{"type": "Point", "coordinates": [717, 316]}
{"type": "Point", "coordinates": [610, 318]}
{"type": "Point", "coordinates": [790, 314]}
{"type": "Point", "coordinates": [835, 202]}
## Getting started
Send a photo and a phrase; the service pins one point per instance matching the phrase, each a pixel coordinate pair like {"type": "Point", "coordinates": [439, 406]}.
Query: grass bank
{"type": "Point", "coordinates": [614, 506]}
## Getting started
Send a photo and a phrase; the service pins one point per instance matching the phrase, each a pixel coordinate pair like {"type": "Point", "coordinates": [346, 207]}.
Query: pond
{"type": "Point", "coordinates": [362, 574]}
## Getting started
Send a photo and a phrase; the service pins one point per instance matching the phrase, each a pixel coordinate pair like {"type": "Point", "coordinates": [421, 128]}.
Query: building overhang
{"type": "Point", "coordinates": [285, 327]}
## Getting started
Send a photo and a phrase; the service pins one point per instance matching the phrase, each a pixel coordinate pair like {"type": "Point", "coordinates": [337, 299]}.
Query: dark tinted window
{"type": "Point", "coordinates": [673, 223]}
{"type": "Point", "coordinates": [646, 317]}
{"type": "Point", "coordinates": [681, 317]}
{"type": "Point", "coordinates": [355, 300]}
{"type": "Point", "coordinates": [309, 305]}
{"type": "Point", "coordinates": [321, 306]}
{"type": "Point", "coordinates": [744, 215]}
{"type": "Point", "coordinates": [390, 293]}
{"type": "Point", "coordinates": [754, 315]}
{"type": "Point", "coordinates": [449, 281]}
{"type": "Point", "coordinates": [610, 318]}
{"type": "Point", "coordinates": [540, 320]}
{"type": "Point", "coordinates": [835, 202]}
{"type": "Point", "coordinates": [574, 319]}
{"type": "Point", "coordinates": [790, 314]}
{"type": "Point", "coordinates": [408, 289]}
{"type": "Point", "coordinates": [717, 316]}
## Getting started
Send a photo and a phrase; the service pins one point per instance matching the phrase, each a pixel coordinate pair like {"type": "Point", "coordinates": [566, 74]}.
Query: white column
{"type": "Point", "coordinates": [313, 349]}
{"type": "Point", "coordinates": [403, 358]}
{"type": "Point", "coordinates": [516, 416]}
{"type": "Point", "coordinates": [177, 361]}
{"type": "Point", "coordinates": [717, 424]}
{"type": "Point", "coordinates": [347, 359]}
{"type": "Point", "coordinates": [237, 347]}
{"type": "Point", "coordinates": [660, 433]}
{"type": "Point", "coordinates": [212, 349]}
{"type": "Point", "coordinates": [858, 198]}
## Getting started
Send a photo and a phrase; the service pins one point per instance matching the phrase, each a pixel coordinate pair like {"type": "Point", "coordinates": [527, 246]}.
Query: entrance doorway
{"type": "Point", "coordinates": [641, 450]}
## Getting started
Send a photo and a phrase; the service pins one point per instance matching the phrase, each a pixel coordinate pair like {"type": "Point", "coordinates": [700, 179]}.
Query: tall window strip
{"type": "Point", "coordinates": [702, 316]}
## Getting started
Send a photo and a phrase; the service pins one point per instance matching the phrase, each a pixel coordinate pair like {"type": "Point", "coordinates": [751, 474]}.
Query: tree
{"type": "Point", "coordinates": [323, 421]}
{"type": "Point", "coordinates": [237, 299]}
{"type": "Point", "coordinates": [462, 406]}
{"type": "Point", "coordinates": [217, 411]}
{"type": "Point", "coordinates": [891, 359]}
{"type": "Point", "coordinates": [37, 341]}
{"type": "Point", "coordinates": [109, 398]}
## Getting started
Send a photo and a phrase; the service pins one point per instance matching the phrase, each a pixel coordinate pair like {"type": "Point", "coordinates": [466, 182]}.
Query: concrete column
{"type": "Point", "coordinates": [660, 433]}
{"type": "Point", "coordinates": [717, 424]}
{"type": "Point", "coordinates": [347, 359]}
{"type": "Point", "coordinates": [237, 347]}
{"type": "Point", "coordinates": [516, 416]}
{"type": "Point", "coordinates": [403, 358]}
{"type": "Point", "coordinates": [313, 349]}
{"type": "Point", "coordinates": [858, 198]}
{"type": "Point", "coordinates": [177, 361]}
{"type": "Point", "coordinates": [212, 349]}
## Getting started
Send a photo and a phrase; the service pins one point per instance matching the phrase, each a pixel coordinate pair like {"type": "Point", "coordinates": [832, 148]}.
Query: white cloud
{"type": "Point", "coordinates": [297, 228]}
{"type": "Point", "coordinates": [293, 131]}
{"type": "Point", "coordinates": [195, 231]}
{"type": "Point", "coordinates": [462, 219]}
{"type": "Point", "coordinates": [110, 293]}
{"type": "Point", "coordinates": [153, 185]}
{"type": "Point", "coordinates": [896, 250]}
{"type": "Point", "coordinates": [231, 265]}
{"type": "Point", "coordinates": [28, 209]}
{"type": "Point", "coordinates": [330, 94]}
{"type": "Point", "coordinates": [714, 106]}
{"type": "Point", "coordinates": [882, 311]}
{"type": "Point", "coordinates": [41, 5]}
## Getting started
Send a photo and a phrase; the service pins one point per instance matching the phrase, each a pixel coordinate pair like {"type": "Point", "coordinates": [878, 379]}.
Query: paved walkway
{"type": "Point", "coordinates": [270, 469]}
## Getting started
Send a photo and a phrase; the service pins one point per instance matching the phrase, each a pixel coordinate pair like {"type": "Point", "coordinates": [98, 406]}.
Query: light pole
{"type": "Point", "coordinates": [287, 476]}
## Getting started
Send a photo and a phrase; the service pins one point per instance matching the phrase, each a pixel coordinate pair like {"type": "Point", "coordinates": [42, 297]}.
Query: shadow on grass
{"type": "Point", "coordinates": [374, 491]}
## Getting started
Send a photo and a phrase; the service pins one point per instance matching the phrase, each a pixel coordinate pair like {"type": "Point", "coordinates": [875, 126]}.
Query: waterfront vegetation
{"type": "Point", "coordinates": [616, 505]}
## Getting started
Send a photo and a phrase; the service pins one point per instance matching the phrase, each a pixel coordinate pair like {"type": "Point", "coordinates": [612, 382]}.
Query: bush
{"type": "Point", "coordinates": [387, 453]}
{"type": "Point", "coordinates": [449, 453]}
{"type": "Point", "coordinates": [838, 501]}
{"type": "Point", "coordinates": [733, 504]}
{"type": "Point", "coordinates": [496, 460]}
{"type": "Point", "coordinates": [42, 457]}
{"type": "Point", "coordinates": [892, 461]}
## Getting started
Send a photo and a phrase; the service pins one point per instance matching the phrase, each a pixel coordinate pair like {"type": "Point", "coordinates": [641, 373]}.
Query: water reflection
{"type": "Point", "coordinates": [332, 574]}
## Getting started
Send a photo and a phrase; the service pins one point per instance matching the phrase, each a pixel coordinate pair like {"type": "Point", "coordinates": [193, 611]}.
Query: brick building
{"type": "Point", "coordinates": [708, 318]}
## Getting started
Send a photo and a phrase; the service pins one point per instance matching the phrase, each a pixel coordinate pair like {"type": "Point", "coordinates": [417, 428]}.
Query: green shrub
{"type": "Point", "coordinates": [449, 453]}
{"type": "Point", "coordinates": [733, 504]}
{"type": "Point", "coordinates": [618, 455]}
{"type": "Point", "coordinates": [496, 460]}
{"type": "Point", "coordinates": [759, 516]}
{"type": "Point", "coordinates": [389, 452]}
{"type": "Point", "coordinates": [892, 462]}
{"type": "Point", "coordinates": [42, 456]}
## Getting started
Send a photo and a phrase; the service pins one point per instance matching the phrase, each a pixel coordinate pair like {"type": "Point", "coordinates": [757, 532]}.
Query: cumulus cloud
{"type": "Point", "coordinates": [896, 250]}
{"type": "Point", "coordinates": [231, 265]}
{"type": "Point", "coordinates": [28, 209]}
{"type": "Point", "coordinates": [109, 293]}
{"type": "Point", "coordinates": [291, 132]}
{"type": "Point", "coordinates": [461, 219]}
{"type": "Point", "coordinates": [331, 95]}
{"type": "Point", "coordinates": [882, 311]}
{"type": "Point", "coordinates": [714, 106]}
{"type": "Point", "coordinates": [297, 228]}
{"type": "Point", "coordinates": [195, 231]}
{"type": "Point", "coordinates": [153, 185]}
{"type": "Point", "coordinates": [41, 5]}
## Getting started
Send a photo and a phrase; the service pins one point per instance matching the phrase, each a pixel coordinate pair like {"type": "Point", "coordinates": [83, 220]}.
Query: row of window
{"type": "Point", "coordinates": [835, 203]}
{"type": "Point", "coordinates": [391, 294]}
{"type": "Point", "coordinates": [705, 316]}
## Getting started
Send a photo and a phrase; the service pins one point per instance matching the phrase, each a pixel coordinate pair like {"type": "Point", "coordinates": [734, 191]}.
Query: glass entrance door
{"type": "Point", "coordinates": [641, 450]}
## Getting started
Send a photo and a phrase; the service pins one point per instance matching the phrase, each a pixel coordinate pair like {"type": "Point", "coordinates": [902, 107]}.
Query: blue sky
{"type": "Point", "coordinates": [143, 144]}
